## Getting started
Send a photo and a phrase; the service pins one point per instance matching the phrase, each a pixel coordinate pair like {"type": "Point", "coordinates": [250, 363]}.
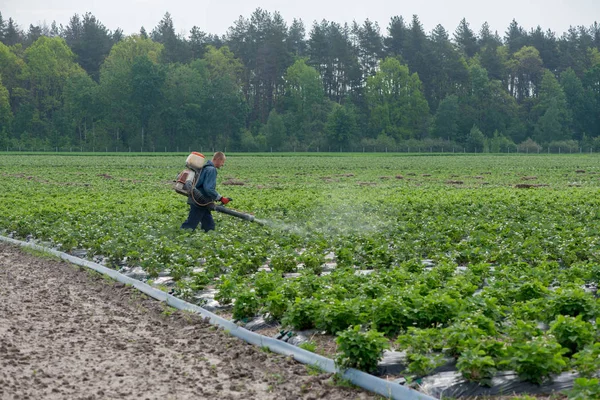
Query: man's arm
{"type": "Point", "coordinates": [210, 184]}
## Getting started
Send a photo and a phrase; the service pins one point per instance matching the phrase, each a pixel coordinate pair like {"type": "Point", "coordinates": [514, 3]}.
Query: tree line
{"type": "Point", "coordinates": [269, 85]}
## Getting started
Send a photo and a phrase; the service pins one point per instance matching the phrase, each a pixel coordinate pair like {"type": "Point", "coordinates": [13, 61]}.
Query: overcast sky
{"type": "Point", "coordinates": [216, 16]}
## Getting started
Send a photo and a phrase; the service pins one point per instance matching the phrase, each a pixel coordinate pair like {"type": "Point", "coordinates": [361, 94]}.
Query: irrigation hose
{"type": "Point", "coordinates": [366, 381]}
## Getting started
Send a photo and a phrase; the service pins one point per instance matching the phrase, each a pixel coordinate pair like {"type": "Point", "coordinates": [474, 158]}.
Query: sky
{"type": "Point", "coordinates": [216, 16]}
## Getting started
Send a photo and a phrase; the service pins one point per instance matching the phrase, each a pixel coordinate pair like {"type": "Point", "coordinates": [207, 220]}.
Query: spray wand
{"type": "Point", "coordinates": [238, 214]}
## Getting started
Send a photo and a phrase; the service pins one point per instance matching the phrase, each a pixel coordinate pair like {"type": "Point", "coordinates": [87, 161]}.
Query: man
{"type": "Point", "coordinates": [204, 194]}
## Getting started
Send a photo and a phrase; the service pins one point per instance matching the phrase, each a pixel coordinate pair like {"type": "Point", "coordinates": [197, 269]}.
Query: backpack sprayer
{"type": "Point", "coordinates": [185, 184]}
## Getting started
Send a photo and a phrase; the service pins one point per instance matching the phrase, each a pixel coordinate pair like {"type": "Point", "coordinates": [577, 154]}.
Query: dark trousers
{"type": "Point", "coordinates": [199, 215]}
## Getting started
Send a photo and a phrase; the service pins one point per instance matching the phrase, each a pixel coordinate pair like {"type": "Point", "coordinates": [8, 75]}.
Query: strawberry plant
{"type": "Point", "coordinates": [463, 335]}
{"type": "Point", "coordinates": [536, 360]}
{"type": "Point", "coordinates": [246, 305]}
{"type": "Point", "coordinates": [360, 349]}
{"type": "Point", "coordinates": [524, 331]}
{"type": "Point", "coordinates": [301, 314]}
{"type": "Point", "coordinates": [199, 281]}
{"type": "Point", "coordinates": [227, 290]}
{"type": "Point", "coordinates": [336, 315]}
{"type": "Point", "coordinates": [530, 290]}
{"type": "Point", "coordinates": [283, 263]}
{"type": "Point", "coordinates": [422, 364]}
{"type": "Point", "coordinates": [585, 389]}
{"type": "Point", "coordinates": [436, 308]}
{"type": "Point", "coordinates": [276, 305]}
{"type": "Point", "coordinates": [264, 283]}
{"type": "Point", "coordinates": [573, 302]}
{"type": "Point", "coordinates": [587, 360]}
{"type": "Point", "coordinates": [390, 315]}
{"type": "Point", "coordinates": [572, 333]}
{"type": "Point", "coordinates": [313, 261]}
{"type": "Point", "coordinates": [418, 340]}
{"type": "Point", "coordinates": [476, 366]}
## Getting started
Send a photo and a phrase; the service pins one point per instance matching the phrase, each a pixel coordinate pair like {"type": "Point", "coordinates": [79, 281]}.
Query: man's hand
{"type": "Point", "coordinates": [225, 200]}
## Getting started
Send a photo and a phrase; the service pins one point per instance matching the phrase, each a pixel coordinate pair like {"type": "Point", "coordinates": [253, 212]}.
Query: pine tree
{"type": "Point", "coordinates": [515, 37]}
{"type": "Point", "coordinates": [12, 33]}
{"type": "Point", "coordinates": [175, 47]}
{"type": "Point", "coordinates": [198, 42]}
{"type": "Point", "coordinates": [370, 47]}
{"type": "Point", "coordinates": [296, 40]}
{"type": "Point", "coordinates": [465, 39]}
{"type": "Point", "coordinates": [545, 43]}
{"type": "Point", "coordinates": [449, 72]}
{"type": "Point", "coordinates": [33, 34]}
{"type": "Point", "coordinates": [90, 41]}
{"type": "Point", "coordinates": [2, 28]}
{"type": "Point", "coordinates": [55, 31]}
{"type": "Point", "coordinates": [395, 41]}
{"type": "Point", "coordinates": [73, 32]}
{"type": "Point", "coordinates": [490, 57]}
{"type": "Point", "coordinates": [117, 36]}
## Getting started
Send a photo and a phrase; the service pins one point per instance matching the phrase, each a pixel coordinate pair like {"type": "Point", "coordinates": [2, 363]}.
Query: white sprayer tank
{"type": "Point", "coordinates": [195, 161]}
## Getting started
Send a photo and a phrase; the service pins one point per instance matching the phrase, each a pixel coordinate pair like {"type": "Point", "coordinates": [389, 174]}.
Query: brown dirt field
{"type": "Point", "coordinates": [66, 333]}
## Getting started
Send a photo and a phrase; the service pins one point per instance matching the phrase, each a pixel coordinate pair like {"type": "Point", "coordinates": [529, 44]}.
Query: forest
{"type": "Point", "coordinates": [270, 85]}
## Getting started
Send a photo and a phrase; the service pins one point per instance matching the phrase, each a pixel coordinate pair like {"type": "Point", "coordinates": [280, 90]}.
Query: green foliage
{"type": "Point", "coordinates": [390, 315]}
{"type": "Point", "coordinates": [336, 315]}
{"type": "Point", "coordinates": [418, 340]}
{"type": "Point", "coordinates": [227, 290]}
{"type": "Point", "coordinates": [554, 116]}
{"type": "Point", "coordinates": [360, 350]}
{"type": "Point", "coordinates": [297, 92]}
{"type": "Point", "coordinates": [276, 305]}
{"type": "Point", "coordinates": [475, 140]}
{"type": "Point", "coordinates": [585, 389]}
{"type": "Point", "coordinates": [573, 302]}
{"type": "Point", "coordinates": [265, 283]}
{"type": "Point", "coordinates": [531, 290]}
{"type": "Point", "coordinates": [313, 261]}
{"type": "Point", "coordinates": [303, 97]}
{"type": "Point", "coordinates": [587, 360]}
{"type": "Point", "coordinates": [475, 366]}
{"type": "Point", "coordinates": [5, 111]}
{"type": "Point", "coordinates": [301, 314]}
{"type": "Point", "coordinates": [437, 308]}
{"type": "Point", "coordinates": [308, 346]}
{"type": "Point", "coordinates": [283, 263]}
{"type": "Point", "coordinates": [462, 335]}
{"type": "Point", "coordinates": [200, 280]}
{"type": "Point", "coordinates": [445, 123]}
{"type": "Point", "coordinates": [422, 364]}
{"type": "Point", "coordinates": [341, 126]}
{"type": "Point", "coordinates": [274, 131]}
{"type": "Point", "coordinates": [524, 331]}
{"type": "Point", "coordinates": [396, 103]}
{"type": "Point", "coordinates": [246, 305]}
{"type": "Point", "coordinates": [538, 359]}
{"type": "Point", "coordinates": [572, 333]}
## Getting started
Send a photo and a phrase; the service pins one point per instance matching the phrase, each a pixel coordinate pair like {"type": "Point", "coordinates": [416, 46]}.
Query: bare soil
{"type": "Point", "coordinates": [66, 333]}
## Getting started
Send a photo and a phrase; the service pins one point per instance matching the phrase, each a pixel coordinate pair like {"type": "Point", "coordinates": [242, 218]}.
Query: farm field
{"type": "Point", "coordinates": [491, 260]}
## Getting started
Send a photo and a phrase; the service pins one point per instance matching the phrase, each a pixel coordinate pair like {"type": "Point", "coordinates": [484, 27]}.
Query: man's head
{"type": "Point", "coordinates": [218, 159]}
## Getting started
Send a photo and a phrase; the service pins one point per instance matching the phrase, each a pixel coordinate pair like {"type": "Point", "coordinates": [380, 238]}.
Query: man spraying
{"type": "Point", "coordinates": [204, 194]}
